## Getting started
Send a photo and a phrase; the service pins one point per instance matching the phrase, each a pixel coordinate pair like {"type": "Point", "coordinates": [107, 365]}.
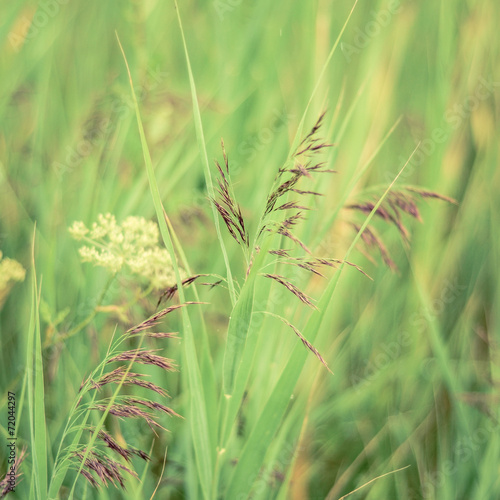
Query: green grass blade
{"type": "Point", "coordinates": [239, 324]}
{"type": "Point", "coordinates": [203, 153]}
{"type": "Point", "coordinates": [300, 128]}
{"type": "Point", "coordinates": [36, 396]}
{"type": "Point", "coordinates": [63, 461]}
{"type": "Point", "coordinates": [198, 417]}
{"type": "Point", "coordinates": [35, 481]}
{"type": "Point", "coordinates": [270, 418]}
{"type": "Point", "coordinates": [90, 445]}
{"type": "Point", "coordinates": [232, 404]}
{"type": "Point", "coordinates": [237, 359]}
{"type": "Point", "coordinates": [40, 424]}
{"type": "Point", "coordinates": [207, 364]}
{"type": "Point", "coordinates": [352, 183]}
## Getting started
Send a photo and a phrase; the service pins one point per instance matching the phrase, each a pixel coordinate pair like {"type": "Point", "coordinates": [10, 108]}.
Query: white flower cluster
{"type": "Point", "coordinates": [10, 271]}
{"type": "Point", "coordinates": [132, 244]}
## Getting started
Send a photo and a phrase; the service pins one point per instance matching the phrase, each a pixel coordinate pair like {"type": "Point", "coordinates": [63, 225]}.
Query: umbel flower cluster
{"type": "Point", "coordinates": [131, 245]}
{"type": "Point", "coordinates": [10, 272]}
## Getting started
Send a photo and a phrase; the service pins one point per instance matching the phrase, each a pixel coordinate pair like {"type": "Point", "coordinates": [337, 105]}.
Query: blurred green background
{"type": "Point", "coordinates": [415, 353]}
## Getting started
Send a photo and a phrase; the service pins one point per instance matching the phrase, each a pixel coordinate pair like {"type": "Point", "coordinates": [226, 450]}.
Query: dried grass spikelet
{"type": "Point", "coordinates": [304, 163]}
{"type": "Point", "coordinates": [312, 264]}
{"type": "Point", "coordinates": [169, 293]}
{"type": "Point", "coordinates": [398, 203]}
{"type": "Point", "coordinates": [144, 357]}
{"type": "Point", "coordinates": [226, 205]}
{"type": "Point", "coordinates": [128, 411]}
{"type": "Point", "coordinates": [282, 212]}
{"type": "Point", "coordinates": [5, 483]}
{"type": "Point", "coordinates": [126, 453]}
{"type": "Point", "coordinates": [292, 288]}
{"type": "Point", "coordinates": [105, 468]}
{"type": "Point", "coordinates": [153, 320]}
{"type": "Point", "coordinates": [120, 375]}
{"type": "Point", "coordinates": [95, 464]}
{"type": "Point", "coordinates": [306, 343]}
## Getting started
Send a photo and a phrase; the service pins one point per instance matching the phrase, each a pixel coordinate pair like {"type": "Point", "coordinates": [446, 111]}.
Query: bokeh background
{"type": "Point", "coordinates": [415, 353]}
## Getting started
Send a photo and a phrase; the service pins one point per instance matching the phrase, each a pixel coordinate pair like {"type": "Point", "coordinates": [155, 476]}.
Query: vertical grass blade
{"type": "Point", "coordinates": [237, 359]}
{"type": "Point", "coordinates": [269, 420]}
{"type": "Point", "coordinates": [203, 153]}
{"type": "Point", "coordinates": [36, 396]}
{"type": "Point", "coordinates": [198, 417]}
{"type": "Point", "coordinates": [239, 325]}
{"type": "Point", "coordinates": [298, 134]}
{"type": "Point", "coordinates": [207, 364]}
{"type": "Point", "coordinates": [352, 183]}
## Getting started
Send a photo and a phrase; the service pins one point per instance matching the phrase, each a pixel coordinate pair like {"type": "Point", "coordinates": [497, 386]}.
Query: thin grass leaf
{"type": "Point", "coordinates": [237, 482]}
{"type": "Point", "coordinates": [241, 344]}
{"type": "Point", "coordinates": [237, 331]}
{"type": "Point", "coordinates": [372, 480]}
{"type": "Point", "coordinates": [36, 397]}
{"type": "Point", "coordinates": [35, 481]}
{"type": "Point", "coordinates": [203, 153]}
{"type": "Point", "coordinates": [291, 288]}
{"type": "Point", "coordinates": [354, 180]}
{"type": "Point", "coordinates": [298, 134]}
{"type": "Point", "coordinates": [39, 402]}
{"type": "Point", "coordinates": [198, 418]}
{"type": "Point", "coordinates": [207, 365]}
{"type": "Point", "coordinates": [86, 457]}
{"type": "Point", "coordinates": [304, 341]}
{"type": "Point", "coordinates": [5, 483]}
{"type": "Point", "coordinates": [267, 424]}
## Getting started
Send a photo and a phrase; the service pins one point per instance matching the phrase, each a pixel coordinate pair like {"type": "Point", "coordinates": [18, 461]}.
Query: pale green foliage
{"type": "Point", "coordinates": [131, 245]}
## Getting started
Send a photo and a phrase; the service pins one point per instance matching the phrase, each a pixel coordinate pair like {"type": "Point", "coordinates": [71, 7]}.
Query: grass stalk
{"type": "Point", "coordinates": [203, 153]}
{"type": "Point", "coordinates": [36, 397]}
{"type": "Point", "coordinates": [198, 418]}
{"type": "Point", "coordinates": [269, 419]}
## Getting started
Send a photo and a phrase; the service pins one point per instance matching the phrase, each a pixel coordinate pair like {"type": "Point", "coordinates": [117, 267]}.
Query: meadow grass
{"type": "Point", "coordinates": [120, 108]}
